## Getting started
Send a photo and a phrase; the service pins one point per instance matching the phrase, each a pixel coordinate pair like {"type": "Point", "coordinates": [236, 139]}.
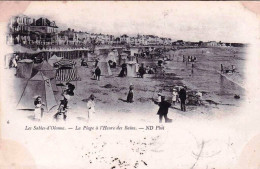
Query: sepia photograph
{"type": "Point", "coordinates": [111, 85]}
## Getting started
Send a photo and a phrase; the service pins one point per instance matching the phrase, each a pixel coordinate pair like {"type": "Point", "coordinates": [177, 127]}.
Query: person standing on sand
{"type": "Point", "coordinates": [130, 96]}
{"type": "Point", "coordinates": [174, 96]}
{"type": "Point", "coordinates": [182, 96]}
{"type": "Point", "coordinates": [141, 71]}
{"type": "Point", "coordinates": [96, 62]}
{"type": "Point", "coordinates": [91, 107]}
{"type": "Point", "coordinates": [233, 68]}
{"type": "Point", "coordinates": [98, 73]}
{"type": "Point", "coordinates": [163, 110]}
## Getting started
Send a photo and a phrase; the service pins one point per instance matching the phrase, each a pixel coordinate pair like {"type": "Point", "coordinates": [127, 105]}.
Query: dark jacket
{"type": "Point", "coordinates": [164, 106]}
{"type": "Point", "coordinates": [37, 102]}
{"type": "Point", "coordinates": [141, 70]}
{"type": "Point", "coordinates": [98, 72]}
{"type": "Point", "coordinates": [182, 94]}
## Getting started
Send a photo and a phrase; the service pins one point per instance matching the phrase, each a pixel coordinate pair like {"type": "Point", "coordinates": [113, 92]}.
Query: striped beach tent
{"type": "Point", "coordinates": [67, 75]}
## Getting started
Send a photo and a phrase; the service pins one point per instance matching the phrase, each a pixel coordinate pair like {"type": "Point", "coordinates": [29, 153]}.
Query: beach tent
{"type": "Point", "coordinates": [47, 71]}
{"type": "Point", "coordinates": [131, 69]}
{"type": "Point", "coordinates": [131, 59]}
{"type": "Point", "coordinates": [111, 56]}
{"type": "Point", "coordinates": [24, 68]}
{"type": "Point", "coordinates": [104, 67]}
{"type": "Point", "coordinates": [38, 85]}
{"type": "Point", "coordinates": [134, 51]}
{"type": "Point", "coordinates": [54, 59]}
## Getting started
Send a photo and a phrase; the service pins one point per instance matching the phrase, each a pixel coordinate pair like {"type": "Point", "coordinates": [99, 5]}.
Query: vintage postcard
{"type": "Point", "coordinates": [126, 85]}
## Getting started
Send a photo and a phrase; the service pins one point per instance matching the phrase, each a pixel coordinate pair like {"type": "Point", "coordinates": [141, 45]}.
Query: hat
{"type": "Point", "coordinates": [174, 89]}
{"type": "Point", "coordinates": [91, 96]}
{"type": "Point", "coordinates": [37, 96]}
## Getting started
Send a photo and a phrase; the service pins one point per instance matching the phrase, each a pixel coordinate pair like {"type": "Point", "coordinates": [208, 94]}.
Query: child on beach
{"type": "Point", "coordinates": [91, 107]}
{"type": "Point", "coordinates": [62, 112]}
{"type": "Point", "coordinates": [199, 96]}
{"type": "Point", "coordinates": [38, 108]}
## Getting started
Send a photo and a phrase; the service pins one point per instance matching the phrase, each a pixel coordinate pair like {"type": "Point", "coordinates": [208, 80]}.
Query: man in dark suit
{"type": "Point", "coordinates": [98, 73]}
{"type": "Point", "coordinates": [182, 96]}
{"type": "Point", "coordinates": [163, 110]}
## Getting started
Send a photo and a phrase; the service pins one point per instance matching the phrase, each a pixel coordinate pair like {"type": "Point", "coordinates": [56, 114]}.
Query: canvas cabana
{"type": "Point", "coordinates": [105, 68]}
{"type": "Point", "coordinates": [131, 69]}
{"type": "Point", "coordinates": [47, 71]}
{"type": "Point", "coordinates": [54, 59]}
{"type": "Point", "coordinates": [24, 68]}
{"type": "Point", "coordinates": [39, 85]}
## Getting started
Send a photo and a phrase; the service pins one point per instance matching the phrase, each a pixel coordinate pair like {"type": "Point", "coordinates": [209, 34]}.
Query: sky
{"type": "Point", "coordinates": [190, 21]}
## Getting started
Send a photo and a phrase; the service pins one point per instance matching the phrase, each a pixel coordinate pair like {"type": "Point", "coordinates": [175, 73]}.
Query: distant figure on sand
{"type": "Point", "coordinates": [130, 96]}
{"type": "Point", "coordinates": [83, 63]}
{"type": "Point", "coordinates": [14, 61]}
{"type": "Point", "coordinates": [199, 96]}
{"type": "Point", "coordinates": [222, 68]}
{"type": "Point", "coordinates": [97, 73]}
{"type": "Point", "coordinates": [38, 108]}
{"type": "Point", "coordinates": [142, 71]}
{"type": "Point", "coordinates": [182, 96]}
{"type": "Point", "coordinates": [163, 110]}
{"type": "Point", "coordinates": [123, 71]}
{"type": "Point", "coordinates": [66, 98]}
{"type": "Point", "coordinates": [96, 62]}
{"type": "Point", "coordinates": [91, 107]}
{"type": "Point", "coordinates": [70, 89]}
{"type": "Point", "coordinates": [233, 68]}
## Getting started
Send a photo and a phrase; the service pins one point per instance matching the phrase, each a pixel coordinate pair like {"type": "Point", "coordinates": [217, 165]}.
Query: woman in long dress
{"type": "Point", "coordinates": [130, 96]}
{"type": "Point", "coordinates": [91, 107]}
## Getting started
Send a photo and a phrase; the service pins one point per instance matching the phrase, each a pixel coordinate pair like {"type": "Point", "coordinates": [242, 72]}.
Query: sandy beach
{"type": "Point", "coordinates": [111, 91]}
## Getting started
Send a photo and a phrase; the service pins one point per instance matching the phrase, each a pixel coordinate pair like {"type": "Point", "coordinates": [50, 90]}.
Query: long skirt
{"type": "Point", "coordinates": [91, 114]}
{"type": "Point", "coordinates": [130, 97]}
{"type": "Point", "coordinates": [37, 113]}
